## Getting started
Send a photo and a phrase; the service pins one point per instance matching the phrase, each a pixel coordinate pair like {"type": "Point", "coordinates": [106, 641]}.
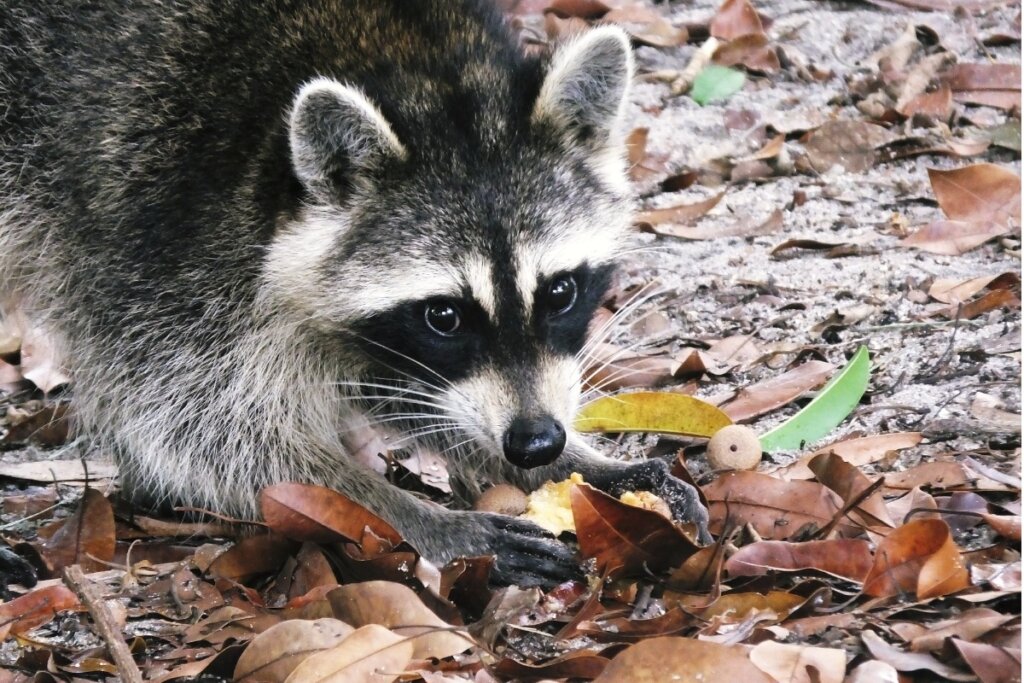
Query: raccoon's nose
{"type": "Point", "coordinates": [534, 441]}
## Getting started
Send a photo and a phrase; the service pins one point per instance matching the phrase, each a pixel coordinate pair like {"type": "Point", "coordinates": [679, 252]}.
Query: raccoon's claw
{"type": "Point", "coordinates": [685, 504]}
{"type": "Point", "coordinates": [654, 476]}
{"type": "Point", "coordinates": [525, 554]}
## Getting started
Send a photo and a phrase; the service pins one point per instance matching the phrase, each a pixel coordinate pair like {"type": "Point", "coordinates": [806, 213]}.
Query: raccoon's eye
{"type": "Point", "coordinates": [442, 317]}
{"type": "Point", "coordinates": [561, 294]}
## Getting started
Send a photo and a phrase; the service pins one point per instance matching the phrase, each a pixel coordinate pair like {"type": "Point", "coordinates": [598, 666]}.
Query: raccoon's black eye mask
{"type": "Point", "coordinates": [454, 336]}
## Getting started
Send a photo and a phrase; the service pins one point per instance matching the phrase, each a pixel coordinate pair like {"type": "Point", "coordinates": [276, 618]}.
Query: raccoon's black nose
{"type": "Point", "coordinates": [534, 441]}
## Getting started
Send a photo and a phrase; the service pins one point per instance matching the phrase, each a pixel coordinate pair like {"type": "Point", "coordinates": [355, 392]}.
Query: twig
{"type": "Point", "coordinates": [105, 622]}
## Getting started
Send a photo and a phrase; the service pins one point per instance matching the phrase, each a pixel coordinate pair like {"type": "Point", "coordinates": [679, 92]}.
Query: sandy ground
{"type": "Point", "coordinates": [927, 370]}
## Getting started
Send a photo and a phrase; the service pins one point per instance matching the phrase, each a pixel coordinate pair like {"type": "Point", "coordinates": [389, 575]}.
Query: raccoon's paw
{"type": "Point", "coordinates": [524, 553]}
{"type": "Point", "coordinates": [685, 504]}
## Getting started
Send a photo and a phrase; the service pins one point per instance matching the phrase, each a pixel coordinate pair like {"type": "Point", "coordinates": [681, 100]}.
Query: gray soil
{"type": "Point", "coordinates": [927, 369]}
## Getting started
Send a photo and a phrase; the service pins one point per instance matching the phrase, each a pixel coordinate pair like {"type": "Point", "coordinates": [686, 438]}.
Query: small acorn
{"type": "Point", "coordinates": [735, 447]}
{"type": "Point", "coordinates": [503, 499]}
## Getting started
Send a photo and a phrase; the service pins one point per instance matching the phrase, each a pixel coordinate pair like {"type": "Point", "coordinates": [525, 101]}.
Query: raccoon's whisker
{"type": "Point", "coordinates": [653, 248]}
{"type": "Point", "coordinates": [453, 447]}
{"type": "Point", "coordinates": [618, 371]}
{"type": "Point", "coordinates": [419, 418]}
{"type": "Point", "coordinates": [392, 399]}
{"type": "Point", "coordinates": [405, 357]}
{"type": "Point", "coordinates": [592, 363]}
{"type": "Point", "coordinates": [631, 306]}
{"type": "Point", "coordinates": [392, 435]}
{"type": "Point", "coordinates": [397, 388]}
{"type": "Point", "coordinates": [421, 433]}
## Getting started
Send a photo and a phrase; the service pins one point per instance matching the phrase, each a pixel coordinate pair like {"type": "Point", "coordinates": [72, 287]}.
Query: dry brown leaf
{"type": "Point", "coordinates": [397, 607]}
{"type": "Point", "coordinates": [35, 608]}
{"type": "Point", "coordinates": [911, 661]}
{"type": "Point", "coordinates": [742, 227]}
{"type": "Point", "coordinates": [859, 451]}
{"type": "Point", "coordinates": [371, 654]}
{"type": "Point", "coordinates": [736, 350]}
{"type": "Point", "coordinates": [771, 149]}
{"type": "Point", "coordinates": [64, 471]}
{"type": "Point", "coordinates": [49, 426]}
{"type": "Point", "coordinates": [850, 483]}
{"type": "Point", "coordinates": [676, 215]}
{"type": "Point", "coordinates": [980, 192]}
{"type": "Point", "coordinates": [612, 368]}
{"type": "Point", "coordinates": [942, 474]}
{"type": "Point", "coordinates": [739, 607]}
{"type": "Point", "coordinates": [253, 555]}
{"type": "Point", "coordinates": [953, 238]}
{"type": "Point", "coordinates": [306, 512]}
{"type": "Point", "coordinates": [777, 509]}
{"type": "Point", "coordinates": [990, 301]}
{"type": "Point", "coordinates": [919, 558]}
{"type": "Point", "coordinates": [937, 104]}
{"type": "Point", "coordinates": [696, 660]}
{"type": "Point", "coordinates": [275, 653]}
{"type": "Point", "coordinates": [645, 26]}
{"type": "Point", "coordinates": [848, 144]}
{"type": "Point", "coordinates": [625, 540]}
{"type": "Point", "coordinates": [969, 625]}
{"type": "Point", "coordinates": [916, 502]}
{"type": "Point", "coordinates": [752, 51]}
{"type": "Point", "coordinates": [954, 291]}
{"type": "Point", "coordinates": [86, 538]}
{"type": "Point", "coordinates": [844, 557]}
{"type": "Point", "coordinates": [991, 663]}
{"type": "Point", "coordinates": [735, 18]}
{"type": "Point", "coordinates": [768, 395]}
{"type": "Point", "coordinates": [573, 665]}
{"type": "Point", "coordinates": [581, 9]}
{"type": "Point", "coordinates": [799, 663]}
{"type": "Point", "coordinates": [995, 85]}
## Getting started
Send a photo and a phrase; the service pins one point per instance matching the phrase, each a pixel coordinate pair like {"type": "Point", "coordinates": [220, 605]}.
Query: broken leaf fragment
{"type": "Point", "coordinates": [651, 411]}
{"type": "Point", "coordinates": [716, 83]}
{"type": "Point", "coordinates": [828, 409]}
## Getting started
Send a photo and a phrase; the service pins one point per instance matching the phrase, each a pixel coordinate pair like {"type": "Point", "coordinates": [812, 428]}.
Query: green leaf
{"type": "Point", "coordinates": [651, 411]}
{"type": "Point", "coordinates": [829, 408]}
{"type": "Point", "coordinates": [716, 83]}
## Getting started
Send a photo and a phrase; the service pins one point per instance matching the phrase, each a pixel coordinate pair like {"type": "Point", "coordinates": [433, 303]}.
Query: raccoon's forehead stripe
{"type": "Point", "coordinates": [478, 274]}
{"type": "Point", "coordinates": [541, 259]}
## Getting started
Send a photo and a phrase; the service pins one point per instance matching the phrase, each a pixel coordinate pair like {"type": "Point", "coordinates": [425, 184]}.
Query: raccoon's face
{"type": "Point", "coordinates": [460, 269]}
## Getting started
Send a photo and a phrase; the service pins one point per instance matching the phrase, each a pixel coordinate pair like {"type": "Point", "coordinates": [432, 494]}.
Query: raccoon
{"type": "Point", "coordinates": [254, 224]}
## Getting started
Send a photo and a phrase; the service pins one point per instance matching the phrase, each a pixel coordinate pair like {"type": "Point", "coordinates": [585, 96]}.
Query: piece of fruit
{"type": "Point", "coordinates": [550, 506]}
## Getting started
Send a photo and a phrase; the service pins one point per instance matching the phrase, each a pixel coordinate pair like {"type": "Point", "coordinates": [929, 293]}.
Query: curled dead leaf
{"type": "Point", "coordinates": [371, 654]}
{"type": "Point", "coordinates": [397, 607]}
{"type": "Point", "coordinates": [919, 558]}
{"type": "Point", "coordinates": [275, 653]}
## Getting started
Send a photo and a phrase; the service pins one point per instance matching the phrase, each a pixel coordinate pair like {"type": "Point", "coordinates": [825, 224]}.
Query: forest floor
{"type": "Point", "coordinates": [803, 219]}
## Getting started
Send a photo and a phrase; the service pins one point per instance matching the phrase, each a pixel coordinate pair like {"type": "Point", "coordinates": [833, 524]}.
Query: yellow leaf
{"type": "Point", "coordinates": [651, 411]}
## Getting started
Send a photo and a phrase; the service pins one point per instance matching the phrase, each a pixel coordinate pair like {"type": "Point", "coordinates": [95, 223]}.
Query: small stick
{"type": "Point", "coordinates": [105, 623]}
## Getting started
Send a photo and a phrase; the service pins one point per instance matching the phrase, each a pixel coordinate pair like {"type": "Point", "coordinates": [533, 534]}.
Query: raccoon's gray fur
{"type": "Point", "coordinates": [255, 223]}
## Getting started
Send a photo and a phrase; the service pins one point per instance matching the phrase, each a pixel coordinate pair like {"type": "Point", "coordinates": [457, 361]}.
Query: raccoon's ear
{"type": "Point", "coordinates": [337, 135]}
{"type": "Point", "coordinates": [584, 92]}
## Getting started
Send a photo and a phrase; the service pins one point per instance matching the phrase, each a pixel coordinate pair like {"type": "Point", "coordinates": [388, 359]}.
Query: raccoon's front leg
{"type": "Point", "coordinates": [525, 554]}
{"type": "Point", "coordinates": [616, 477]}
